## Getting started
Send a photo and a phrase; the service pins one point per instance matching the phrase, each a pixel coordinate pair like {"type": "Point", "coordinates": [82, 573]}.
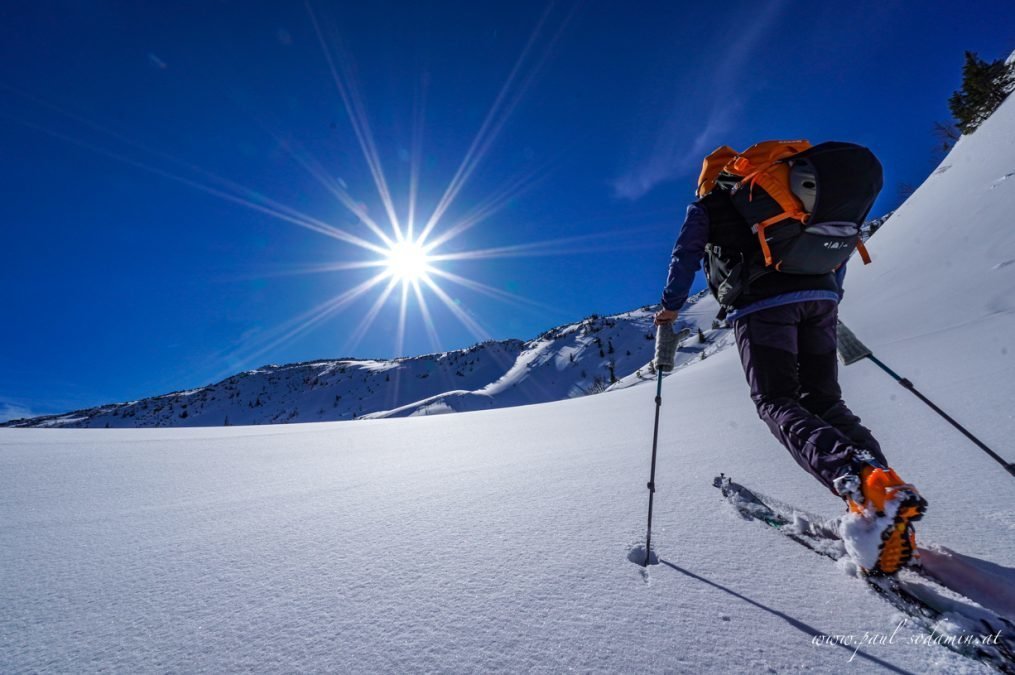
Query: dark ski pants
{"type": "Point", "coordinates": [789, 357]}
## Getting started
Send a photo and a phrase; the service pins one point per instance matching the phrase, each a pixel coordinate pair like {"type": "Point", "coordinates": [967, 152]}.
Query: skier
{"type": "Point", "coordinates": [785, 325]}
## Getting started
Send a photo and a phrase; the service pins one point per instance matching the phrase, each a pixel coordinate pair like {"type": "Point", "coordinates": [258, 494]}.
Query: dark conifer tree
{"type": "Point", "coordinates": [984, 87]}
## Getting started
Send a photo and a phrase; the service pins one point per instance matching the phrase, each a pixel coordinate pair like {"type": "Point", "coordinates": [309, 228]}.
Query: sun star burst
{"type": "Point", "coordinates": [407, 261]}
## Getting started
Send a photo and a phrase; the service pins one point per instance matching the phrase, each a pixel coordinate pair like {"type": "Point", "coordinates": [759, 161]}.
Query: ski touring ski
{"type": "Point", "coordinates": [931, 602]}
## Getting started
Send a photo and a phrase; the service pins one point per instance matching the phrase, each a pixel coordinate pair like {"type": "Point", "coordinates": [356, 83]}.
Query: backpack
{"type": "Point", "coordinates": [805, 203]}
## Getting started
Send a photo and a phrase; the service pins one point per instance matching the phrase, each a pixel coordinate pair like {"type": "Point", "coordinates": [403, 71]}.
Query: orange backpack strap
{"type": "Point", "coordinates": [712, 166]}
{"type": "Point", "coordinates": [864, 255]}
{"type": "Point", "coordinates": [762, 165]}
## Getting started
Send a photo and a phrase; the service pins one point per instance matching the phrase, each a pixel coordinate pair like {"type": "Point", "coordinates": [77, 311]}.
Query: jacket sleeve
{"type": "Point", "coordinates": [686, 259]}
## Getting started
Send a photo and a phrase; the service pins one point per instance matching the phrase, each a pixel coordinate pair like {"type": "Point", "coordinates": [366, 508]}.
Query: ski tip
{"type": "Point", "coordinates": [725, 485]}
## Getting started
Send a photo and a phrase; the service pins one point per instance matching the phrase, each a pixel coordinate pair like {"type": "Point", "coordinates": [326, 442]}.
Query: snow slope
{"type": "Point", "coordinates": [498, 540]}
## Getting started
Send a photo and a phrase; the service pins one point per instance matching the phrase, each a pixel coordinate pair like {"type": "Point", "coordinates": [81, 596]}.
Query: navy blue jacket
{"type": "Point", "coordinates": [686, 261]}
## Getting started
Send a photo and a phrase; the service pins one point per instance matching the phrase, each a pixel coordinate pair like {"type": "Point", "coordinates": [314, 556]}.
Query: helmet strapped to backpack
{"type": "Point", "coordinates": [805, 203]}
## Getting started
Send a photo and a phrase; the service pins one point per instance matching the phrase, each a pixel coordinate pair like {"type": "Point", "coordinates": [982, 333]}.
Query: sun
{"type": "Point", "coordinates": [407, 261]}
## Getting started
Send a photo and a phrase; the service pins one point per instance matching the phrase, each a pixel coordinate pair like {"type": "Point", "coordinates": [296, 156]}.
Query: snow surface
{"type": "Point", "coordinates": [498, 540]}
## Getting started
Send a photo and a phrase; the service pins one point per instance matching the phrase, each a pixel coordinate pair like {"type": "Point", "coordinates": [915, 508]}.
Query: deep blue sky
{"type": "Point", "coordinates": [125, 277]}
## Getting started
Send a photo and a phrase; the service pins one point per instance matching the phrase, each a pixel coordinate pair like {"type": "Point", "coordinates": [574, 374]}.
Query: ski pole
{"type": "Point", "coordinates": [666, 347]}
{"type": "Point", "coordinates": [852, 350]}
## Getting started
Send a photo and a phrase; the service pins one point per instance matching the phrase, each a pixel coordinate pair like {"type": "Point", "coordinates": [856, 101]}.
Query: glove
{"type": "Point", "coordinates": [665, 317]}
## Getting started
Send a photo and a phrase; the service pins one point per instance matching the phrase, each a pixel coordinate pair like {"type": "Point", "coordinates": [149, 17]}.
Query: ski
{"type": "Point", "coordinates": [926, 599]}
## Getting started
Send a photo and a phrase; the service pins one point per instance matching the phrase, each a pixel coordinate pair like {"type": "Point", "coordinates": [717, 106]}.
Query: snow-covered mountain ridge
{"type": "Point", "coordinates": [575, 359]}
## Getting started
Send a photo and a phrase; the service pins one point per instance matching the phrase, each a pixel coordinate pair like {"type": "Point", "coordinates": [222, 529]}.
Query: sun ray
{"type": "Point", "coordinates": [431, 330]}
{"type": "Point", "coordinates": [321, 268]}
{"type": "Point", "coordinates": [489, 127]}
{"type": "Point", "coordinates": [402, 312]}
{"type": "Point", "coordinates": [503, 107]}
{"type": "Point", "coordinates": [492, 292]}
{"type": "Point", "coordinates": [393, 390]}
{"type": "Point", "coordinates": [271, 208]}
{"type": "Point", "coordinates": [293, 327]}
{"type": "Point", "coordinates": [332, 185]}
{"type": "Point", "coordinates": [358, 118]}
{"type": "Point", "coordinates": [286, 331]}
{"type": "Point", "coordinates": [471, 324]}
{"type": "Point", "coordinates": [240, 193]}
{"type": "Point", "coordinates": [368, 319]}
{"type": "Point", "coordinates": [562, 246]}
{"type": "Point", "coordinates": [535, 248]}
{"type": "Point", "coordinates": [540, 251]}
{"type": "Point", "coordinates": [514, 189]}
{"type": "Point", "coordinates": [415, 157]}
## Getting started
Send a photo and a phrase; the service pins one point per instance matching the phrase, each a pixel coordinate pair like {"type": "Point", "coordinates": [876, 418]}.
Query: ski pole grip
{"type": "Point", "coordinates": [666, 348]}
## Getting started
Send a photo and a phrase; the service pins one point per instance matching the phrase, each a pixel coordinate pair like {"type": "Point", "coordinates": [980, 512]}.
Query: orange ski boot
{"type": "Point", "coordinates": [877, 529]}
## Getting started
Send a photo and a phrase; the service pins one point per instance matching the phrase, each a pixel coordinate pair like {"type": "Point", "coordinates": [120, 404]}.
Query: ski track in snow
{"type": "Point", "coordinates": [1001, 180]}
